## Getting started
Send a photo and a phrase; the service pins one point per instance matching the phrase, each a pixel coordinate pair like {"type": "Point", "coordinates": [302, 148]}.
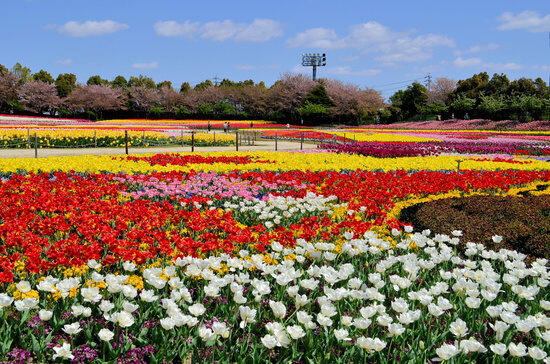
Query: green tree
{"type": "Point", "coordinates": [167, 84]}
{"type": "Point", "coordinates": [493, 106]}
{"type": "Point", "coordinates": [204, 109]}
{"type": "Point", "coordinates": [313, 110]}
{"type": "Point", "coordinates": [96, 80]}
{"type": "Point", "coordinates": [412, 101]}
{"type": "Point", "coordinates": [319, 96]}
{"type": "Point", "coordinates": [542, 88]}
{"type": "Point", "coordinates": [525, 107]}
{"type": "Point", "coordinates": [3, 70]}
{"type": "Point", "coordinates": [141, 81]}
{"type": "Point", "coordinates": [120, 82]}
{"type": "Point", "coordinates": [462, 105]}
{"type": "Point", "coordinates": [43, 76]}
{"type": "Point", "coordinates": [185, 87]}
{"type": "Point", "coordinates": [497, 85]}
{"type": "Point", "coordinates": [226, 83]}
{"type": "Point", "coordinates": [471, 87]}
{"type": "Point", "coordinates": [523, 87]}
{"type": "Point", "coordinates": [65, 84]}
{"type": "Point", "coordinates": [23, 73]}
{"type": "Point", "coordinates": [223, 107]}
{"type": "Point", "coordinates": [435, 108]}
{"type": "Point", "coordinates": [204, 85]}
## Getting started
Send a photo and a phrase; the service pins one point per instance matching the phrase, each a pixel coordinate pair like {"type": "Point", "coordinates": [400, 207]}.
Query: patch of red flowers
{"type": "Point", "coordinates": [62, 219]}
{"type": "Point", "coordinates": [184, 160]}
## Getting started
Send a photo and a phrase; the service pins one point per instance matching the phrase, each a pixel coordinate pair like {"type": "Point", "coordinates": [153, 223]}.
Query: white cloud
{"type": "Point", "coordinates": [219, 31]}
{"type": "Point", "coordinates": [478, 62]}
{"type": "Point", "coordinates": [478, 49]}
{"type": "Point", "coordinates": [346, 71]}
{"type": "Point", "coordinates": [528, 20]}
{"type": "Point", "coordinates": [259, 31]}
{"type": "Point", "coordinates": [393, 47]}
{"type": "Point", "coordinates": [314, 38]}
{"type": "Point", "coordinates": [91, 28]}
{"type": "Point", "coordinates": [173, 29]}
{"type": "Point", "coordinates": [65, 62]}
{"type": "Point", "coordinates": [541, 68]}
{"type": "Point", "coordinates": [145, 65]}
{"type": "Point", "coordinates": [468, 62]}
{"type": "Point", "coordinates": [360, 35]}
{"type": "Point", "coordinates": [406, 49]}
{"type": "Point", "coordinates": [510, 66]}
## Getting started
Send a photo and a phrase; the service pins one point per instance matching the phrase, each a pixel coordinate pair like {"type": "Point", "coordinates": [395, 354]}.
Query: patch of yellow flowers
{"type": "Point", "coordinates": [171, 121]}
{"type": "Point", "coordinates": [283, 161]}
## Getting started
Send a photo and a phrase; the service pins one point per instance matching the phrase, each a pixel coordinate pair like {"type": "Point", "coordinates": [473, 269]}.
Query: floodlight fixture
{"type": "Point", "coordinates": [314, 60]}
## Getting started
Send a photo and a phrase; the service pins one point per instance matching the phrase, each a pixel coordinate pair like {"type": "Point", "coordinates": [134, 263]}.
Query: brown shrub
{"type": "Point", "coordinates": [523, 222]}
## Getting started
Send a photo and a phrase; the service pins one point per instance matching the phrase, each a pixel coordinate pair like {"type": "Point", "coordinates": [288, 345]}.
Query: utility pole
{"type": "Point", "coordinates": [428, 81]}
{"type": "Point", "coordinates": [216, 80]}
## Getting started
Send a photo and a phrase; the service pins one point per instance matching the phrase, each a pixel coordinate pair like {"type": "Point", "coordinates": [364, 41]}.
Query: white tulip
{"type": "Point", "coordinates": [23, 286]}
{"type": "Point", "coordinates": [499, 348]}
{"type": "Point", "coordinates": [342, 334]}
{"type": "Point", "coordinates": [296, 332]}
{"type": "Point", "coordinates": [518, 350]}
{"type": "Point", "coordinates": [447, 351]}
{"type": "Point", "coordinates": [106, 334]}
{"type": "Point", "coordinates": [537, 353]}
{"type": "Point", "coordinates": [458, 328]}
{"type": "Point", "coordinates": [197, 309]}
{"type": "Point", "coordinates": [269, 341]}
{"type": "Point", "coordinates": [206, 334]}
{"type": "Point", "coordinates": [45, 315]}
{"type": "Point", "coordinates": [72, 329]}
{"type": "Point", "coordinates": [5, 300]}
{"type": "Point", "coordinates": [278, 308]}
{"type": "Point", "coordinates": [63, 351]}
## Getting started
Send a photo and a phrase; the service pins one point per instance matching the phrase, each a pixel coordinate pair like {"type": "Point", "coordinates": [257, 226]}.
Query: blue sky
{"type": "Point", "coordinates": [382, 44]}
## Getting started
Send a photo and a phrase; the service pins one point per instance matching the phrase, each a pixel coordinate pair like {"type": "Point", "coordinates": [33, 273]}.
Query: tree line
{"type": "Point", "coordinates": [477, 97]}
{"type": "Point", "coordinates": [291, 99]}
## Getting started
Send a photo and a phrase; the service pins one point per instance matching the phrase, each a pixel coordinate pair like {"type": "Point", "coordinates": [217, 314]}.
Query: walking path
{"type": "Point", "coordinates": [267, 145]}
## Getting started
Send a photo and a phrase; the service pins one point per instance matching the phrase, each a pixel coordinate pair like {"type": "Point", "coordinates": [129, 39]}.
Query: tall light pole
{"type": "Point", "coordinates": [314, 60]}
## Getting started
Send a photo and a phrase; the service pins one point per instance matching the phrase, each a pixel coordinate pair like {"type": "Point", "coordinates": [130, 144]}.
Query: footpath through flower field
{"type": "Point", "coordinates": [261, 257]}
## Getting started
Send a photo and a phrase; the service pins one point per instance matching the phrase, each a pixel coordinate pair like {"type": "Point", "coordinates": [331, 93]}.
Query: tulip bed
{"type": "Point", "coordinates": [104, 137]}
{"type": "Point", "coordinates": [409, 149]}
{"type": "Point", "coordinates": [260, 257]}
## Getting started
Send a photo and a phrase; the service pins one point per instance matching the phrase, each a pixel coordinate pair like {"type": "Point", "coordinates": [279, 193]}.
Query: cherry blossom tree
{"type": "Point", "coordinates": [288, 94]}
{"type": "Point", "coordinates": [39, 97]}
{"type": "Point", "coordinates": [97, 99]}
{"type": "Point", "coordinates": [169, 99]}
{"type": "Point", "coordinates": [143, 98]}
{"type": "Point", "coordinates": [350, 102]}
{"type": "Point", "coordinates": [8, 89]}
{"type": "Point", "coordinates": [440, 90]}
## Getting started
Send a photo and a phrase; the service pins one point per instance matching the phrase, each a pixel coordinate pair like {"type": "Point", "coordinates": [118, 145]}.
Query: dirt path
{"type": "Point", "coordinates": [267, 145]}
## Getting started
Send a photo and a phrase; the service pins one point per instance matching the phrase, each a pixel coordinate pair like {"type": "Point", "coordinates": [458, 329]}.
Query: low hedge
{"type": "Point", "coordinates": [523, 222]}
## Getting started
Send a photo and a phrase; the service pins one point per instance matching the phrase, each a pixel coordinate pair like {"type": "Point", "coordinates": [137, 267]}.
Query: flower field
{"type": "Point", "coordinates": [103, 137]}
{"type": "Point", "coordinates": [264, 257]}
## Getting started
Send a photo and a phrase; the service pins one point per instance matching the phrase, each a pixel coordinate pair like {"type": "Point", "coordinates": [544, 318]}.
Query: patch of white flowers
{"type": "Point", "coordinates": [363, 293]}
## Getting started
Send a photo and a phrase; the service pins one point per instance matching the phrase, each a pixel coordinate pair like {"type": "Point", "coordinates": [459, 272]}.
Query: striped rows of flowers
{"type": "Point", "coordinates": [85, 138]}
{"type": "Point", "coordinates": [410, 149]}
{"type": "Point", "coordinates": [39, 119]}
{"type": "Point", "coordinates": [279, 161]}
{"type": "Point", "coordinates": [258, 257]}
